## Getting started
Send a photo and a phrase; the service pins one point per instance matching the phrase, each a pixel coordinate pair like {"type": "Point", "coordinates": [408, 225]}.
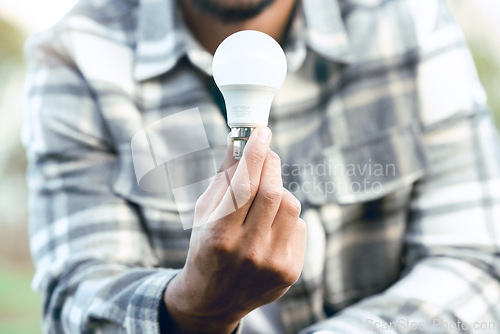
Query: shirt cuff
{"type": "Point", "coordinates": [143, 310]}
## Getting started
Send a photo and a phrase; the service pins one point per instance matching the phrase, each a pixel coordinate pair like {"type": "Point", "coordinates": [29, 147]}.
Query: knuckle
{"type": "Point", "coordinates": [291, 276]}
{"type": "Point", "coordinates": [274, 157]}
{"type": "Point", "coordinates": [202, 202]}
{"type": "Point", "coordinates": [221, 246]}
{"type": "Point", "coordinates": [199, 205]}
{"type": "Point", "coordinates": [253, 188]}
{"type": "Point", "coordinates": [252, 258]}
{"type": "Point", "coordinates": [281, 270]}
{"type": "Point", "coordinates": [272, 196]}
{"type": "Point", "coordinates": [256, 155]}
{"type": "Point", "coordinates": [292, 206]}
{"type": "Point", "coordinates": [288, 275]}
{"type": "Point", "coordinates": [199, 208]}
{"type": "Point", "coordinates": [245, 189]}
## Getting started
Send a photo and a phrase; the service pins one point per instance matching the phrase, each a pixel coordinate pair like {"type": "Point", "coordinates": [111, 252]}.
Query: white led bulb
{"type": "Point", "coordinates": [249, 67]}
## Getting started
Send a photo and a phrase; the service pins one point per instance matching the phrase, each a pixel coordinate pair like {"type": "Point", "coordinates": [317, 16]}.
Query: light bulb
{"type": "Point", "coordinates": [249, 67]}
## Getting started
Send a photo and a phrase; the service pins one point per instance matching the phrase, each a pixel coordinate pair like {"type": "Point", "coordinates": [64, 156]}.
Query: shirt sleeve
{"type": "Point", "coordinates": [452, 279]}
{"type": "Point", "coordinates": [93, 261]}
{"type": "Point", "coordinates": [452, 283]}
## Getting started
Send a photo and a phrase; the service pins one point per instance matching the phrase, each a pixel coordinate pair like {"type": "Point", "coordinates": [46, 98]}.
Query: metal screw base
{"type": "Point", "coordinates": [239, 136]}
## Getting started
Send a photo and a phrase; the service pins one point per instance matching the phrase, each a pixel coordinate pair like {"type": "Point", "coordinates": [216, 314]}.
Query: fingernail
{"type": "Point", "coordinates": [264, 135]}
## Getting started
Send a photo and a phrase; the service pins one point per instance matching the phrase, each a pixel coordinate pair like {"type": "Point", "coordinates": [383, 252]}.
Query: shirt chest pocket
{"type": "Point", "coordinates": [359, 193]}
{"type": "Point", "coordinates": [363, 171]}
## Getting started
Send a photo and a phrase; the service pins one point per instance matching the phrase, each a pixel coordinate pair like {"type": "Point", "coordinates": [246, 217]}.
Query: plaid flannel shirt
{"type": "Point", "coordinates": [384, 135]}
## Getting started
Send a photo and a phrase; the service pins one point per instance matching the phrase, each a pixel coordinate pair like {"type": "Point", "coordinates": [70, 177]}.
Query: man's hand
{"type": "Point", "coordinates": [244, 259]}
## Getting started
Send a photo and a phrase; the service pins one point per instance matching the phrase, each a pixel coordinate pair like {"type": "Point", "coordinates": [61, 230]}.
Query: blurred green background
{"type": "Point", "coordinates": [19, 307]}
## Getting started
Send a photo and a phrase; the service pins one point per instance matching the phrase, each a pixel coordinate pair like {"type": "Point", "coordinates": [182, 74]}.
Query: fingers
{"type": "Point", "coordinates": [293, 246]}
{"type": "Point", "coordinates": [228, 161]}
{"type": "Point", "coordinates": [211, 198]}
{"type": "Point", "coordinates": [286, 219]}
{"type": "Point", "coordinates": [246, 179]}
{"type": "Point", "coordinates": [267, 201]}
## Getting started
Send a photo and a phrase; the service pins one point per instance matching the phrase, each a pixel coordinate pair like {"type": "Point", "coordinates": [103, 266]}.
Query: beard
{"type": "Point", "coordinates": [231, 11]}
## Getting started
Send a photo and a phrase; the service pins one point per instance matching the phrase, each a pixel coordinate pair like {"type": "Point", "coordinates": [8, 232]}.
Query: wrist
{"type": "Point", "coordinates": [180, 319]}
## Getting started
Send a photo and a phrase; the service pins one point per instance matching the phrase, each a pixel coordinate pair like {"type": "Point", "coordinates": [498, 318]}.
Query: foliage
{"type": "Point", "coordinates": [19, 307]}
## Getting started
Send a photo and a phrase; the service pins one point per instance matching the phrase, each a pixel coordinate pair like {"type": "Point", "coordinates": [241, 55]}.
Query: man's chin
{"type": "Point", "coordinates": [231, 12]}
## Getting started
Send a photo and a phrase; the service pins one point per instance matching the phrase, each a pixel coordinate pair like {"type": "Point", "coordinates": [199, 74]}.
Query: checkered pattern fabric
{"type": "Point", "coordinates": [384, 135]}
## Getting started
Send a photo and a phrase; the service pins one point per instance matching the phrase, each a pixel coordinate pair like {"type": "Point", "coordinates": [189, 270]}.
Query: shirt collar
{"type": "Point", "coordinates": [163, 39]}
{"type": "Point", "coordinates": [325, 31]}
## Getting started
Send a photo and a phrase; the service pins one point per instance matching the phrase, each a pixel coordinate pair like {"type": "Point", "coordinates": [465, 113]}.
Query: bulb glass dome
{"type": "Point", "coordinates": [249, 67]}
{"type": "Point", "coordinates": [249, 57]}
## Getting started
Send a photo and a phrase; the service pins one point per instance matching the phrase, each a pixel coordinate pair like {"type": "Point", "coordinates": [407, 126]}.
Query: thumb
{"type": "Point", "coordinates": [211, 198]}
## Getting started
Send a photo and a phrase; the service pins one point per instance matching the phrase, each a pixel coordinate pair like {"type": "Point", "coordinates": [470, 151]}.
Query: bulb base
{"type": "Point", "coordinates": [239, 137]}
{"type": "Point", "coordinates": [247, 105]}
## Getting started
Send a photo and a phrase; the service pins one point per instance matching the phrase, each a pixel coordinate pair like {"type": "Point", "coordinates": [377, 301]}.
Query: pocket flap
{"type": "Point", "coordinates": [365, 171]}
